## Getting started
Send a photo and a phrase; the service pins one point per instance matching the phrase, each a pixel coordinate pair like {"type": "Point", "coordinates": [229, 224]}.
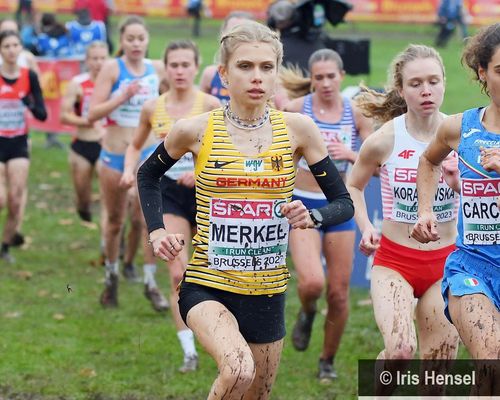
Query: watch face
{"type": "Point", "coordinates": [316, 216]}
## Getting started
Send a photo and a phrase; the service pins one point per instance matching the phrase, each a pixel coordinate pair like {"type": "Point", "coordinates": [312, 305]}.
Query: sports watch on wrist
{"type": "Point", "coordinates": [316, 217]}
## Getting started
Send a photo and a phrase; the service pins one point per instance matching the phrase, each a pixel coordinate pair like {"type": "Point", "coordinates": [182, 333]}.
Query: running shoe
{"type": "Point", "coordinates": [53, 142]}
{"type": "Point", "coordinates": [129, 273]}
{"type": "Point", "coordinates": [326, 371]}
{"type": "Point", "coordinates": [17, 240]}
{"type": "Point", "coordinates": [301, 334]}
{"type": "Point", "coordinates": [109, 297]}
{"type": "Point", "coordinates": [158, 301]}
{"type": "Point", "coordinates": [190, 364]}
{"type": "Point", "coordinates": [102, 260]}
{"type": "Point", "coordinates": [6, 257]}
{"type": "Point", "coordinates": [85, 215]}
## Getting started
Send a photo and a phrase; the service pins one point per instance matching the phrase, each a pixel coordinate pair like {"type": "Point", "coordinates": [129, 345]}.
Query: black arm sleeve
{"type": "Point", "coordinates": [148, 182]}
{"type": "Point", "coordinates": [340, 207]}
{"type": "Point", "coordinates": [34, 100]}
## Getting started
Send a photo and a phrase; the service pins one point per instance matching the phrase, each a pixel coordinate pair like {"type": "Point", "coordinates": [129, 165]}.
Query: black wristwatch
{"type": "Point", "coordinates": [316, 217]}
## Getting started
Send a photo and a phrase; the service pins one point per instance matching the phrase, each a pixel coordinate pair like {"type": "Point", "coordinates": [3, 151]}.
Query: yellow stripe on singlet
{"type": "Point", "coordinates": [224, 173]}
{"type": "Point", "coordinates": [161, 122]}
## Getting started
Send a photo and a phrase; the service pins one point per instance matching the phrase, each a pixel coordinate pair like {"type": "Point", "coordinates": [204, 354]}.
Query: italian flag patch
{"type": "Point", "coordinates": [471, 282]}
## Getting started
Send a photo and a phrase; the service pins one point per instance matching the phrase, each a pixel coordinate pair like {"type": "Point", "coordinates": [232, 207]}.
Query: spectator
{"type": "Point", "coordinates": [29, 37]}
{"type": "Point", "coordinates": [53, 40]}
{"type": "Point", "coordinates": [194, 8]}
{"type": "Point", "coordinates": [24, 6]}
{"type": "Point", "coordinates": [83, 31]}
{"type": "Point", "coordinates": [100, 10]}
{"type": "Point", "coordinates": [451, 13]}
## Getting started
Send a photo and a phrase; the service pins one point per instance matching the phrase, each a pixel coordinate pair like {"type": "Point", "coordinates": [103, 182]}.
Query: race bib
{"type": "Point", "coordinates": [128, 113]}
{"type": "Point", "coordinates": [183, 165]}
{"type": "Point", "coordinates": [480, 214]}
{"type": "Point", "coordinates": [247, 235]}
{"type": "Point", "coordinates": [12, 115]}
{"type": "Point", "coordinates": [406, 199]}
{"type": "Point", "coordinates": [344, 136]}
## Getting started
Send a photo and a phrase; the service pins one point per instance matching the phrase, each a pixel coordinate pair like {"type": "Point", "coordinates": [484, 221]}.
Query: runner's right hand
{"type": "Point", "coordinates": [131, 90]}
{"type": "Point", "coordinates": [166, 246]}
{"type": "Point", "coordinates": [370, 241]}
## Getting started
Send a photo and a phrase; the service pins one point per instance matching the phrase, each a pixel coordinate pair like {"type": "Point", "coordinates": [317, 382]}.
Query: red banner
{"type": "Point", "coordinates": [54, 76]}
{"type": "Point", "coordinates": [394, 10]}
{"type": "Point", "coordinates": [481, 11]}
{"type": "Point", "coordinates": [220, 8]}
{"type": "Point", "coordinates": [163, 8]}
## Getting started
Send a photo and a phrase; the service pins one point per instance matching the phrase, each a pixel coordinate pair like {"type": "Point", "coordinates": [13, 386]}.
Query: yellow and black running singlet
{"type": "Point", "coordinates": [242, 237]}
{"type": "Point", "coordinates": [161, 122]}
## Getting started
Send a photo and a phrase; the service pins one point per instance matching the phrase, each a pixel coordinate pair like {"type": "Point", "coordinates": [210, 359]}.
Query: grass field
{"type": "Point", "coordinates": [56, 344]}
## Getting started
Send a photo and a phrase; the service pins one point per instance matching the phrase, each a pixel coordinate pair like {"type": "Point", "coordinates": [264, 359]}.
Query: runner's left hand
{"type": "Point", "coordinates": [339, 151]}
{"type": "Point", "coordinates": [490, 159]}
{"type": "Point", "coordinates": [425, 229]}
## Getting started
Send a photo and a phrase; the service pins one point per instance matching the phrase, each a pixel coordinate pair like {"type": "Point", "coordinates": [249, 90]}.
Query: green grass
{"type": "Point", "coordinates": [56, 344]}
{"type": "Point", "coordinates": [133, 351]}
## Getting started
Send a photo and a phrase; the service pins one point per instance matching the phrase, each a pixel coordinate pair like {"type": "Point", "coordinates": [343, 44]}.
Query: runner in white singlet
{"type": "Point", "coordinates": [404, 271]}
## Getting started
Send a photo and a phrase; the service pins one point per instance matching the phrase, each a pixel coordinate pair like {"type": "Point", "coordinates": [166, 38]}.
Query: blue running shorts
{"type": "Point", "coordinates": [466, 274]}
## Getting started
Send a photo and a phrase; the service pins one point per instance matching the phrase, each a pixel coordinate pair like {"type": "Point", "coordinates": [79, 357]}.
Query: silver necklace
{"type": "Point", "coordinates": [239, 122]}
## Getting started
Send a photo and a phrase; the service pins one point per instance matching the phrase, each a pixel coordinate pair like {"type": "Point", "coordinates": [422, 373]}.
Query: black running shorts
{"type": "Point", "coordinates": [15, 147]}
{"type": "Point", "coordinates": [88, 150]}
{"type": "Point", "coordinates": [261, 318]}
{"type": "Point", "coordinates": [178, 199]}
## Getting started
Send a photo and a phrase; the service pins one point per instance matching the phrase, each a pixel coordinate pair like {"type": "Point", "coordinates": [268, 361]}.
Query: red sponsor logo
{"type": "Point", "coordinates": [223, 181]}
{"type": "Point", "coordinates": [330, 136]}
{"type": "Point", "coordinates": [406, 154]}
{"type": "Point", "coordinates": [481, 187]}
{"type": "Point", "coordinates": [242, 209]}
